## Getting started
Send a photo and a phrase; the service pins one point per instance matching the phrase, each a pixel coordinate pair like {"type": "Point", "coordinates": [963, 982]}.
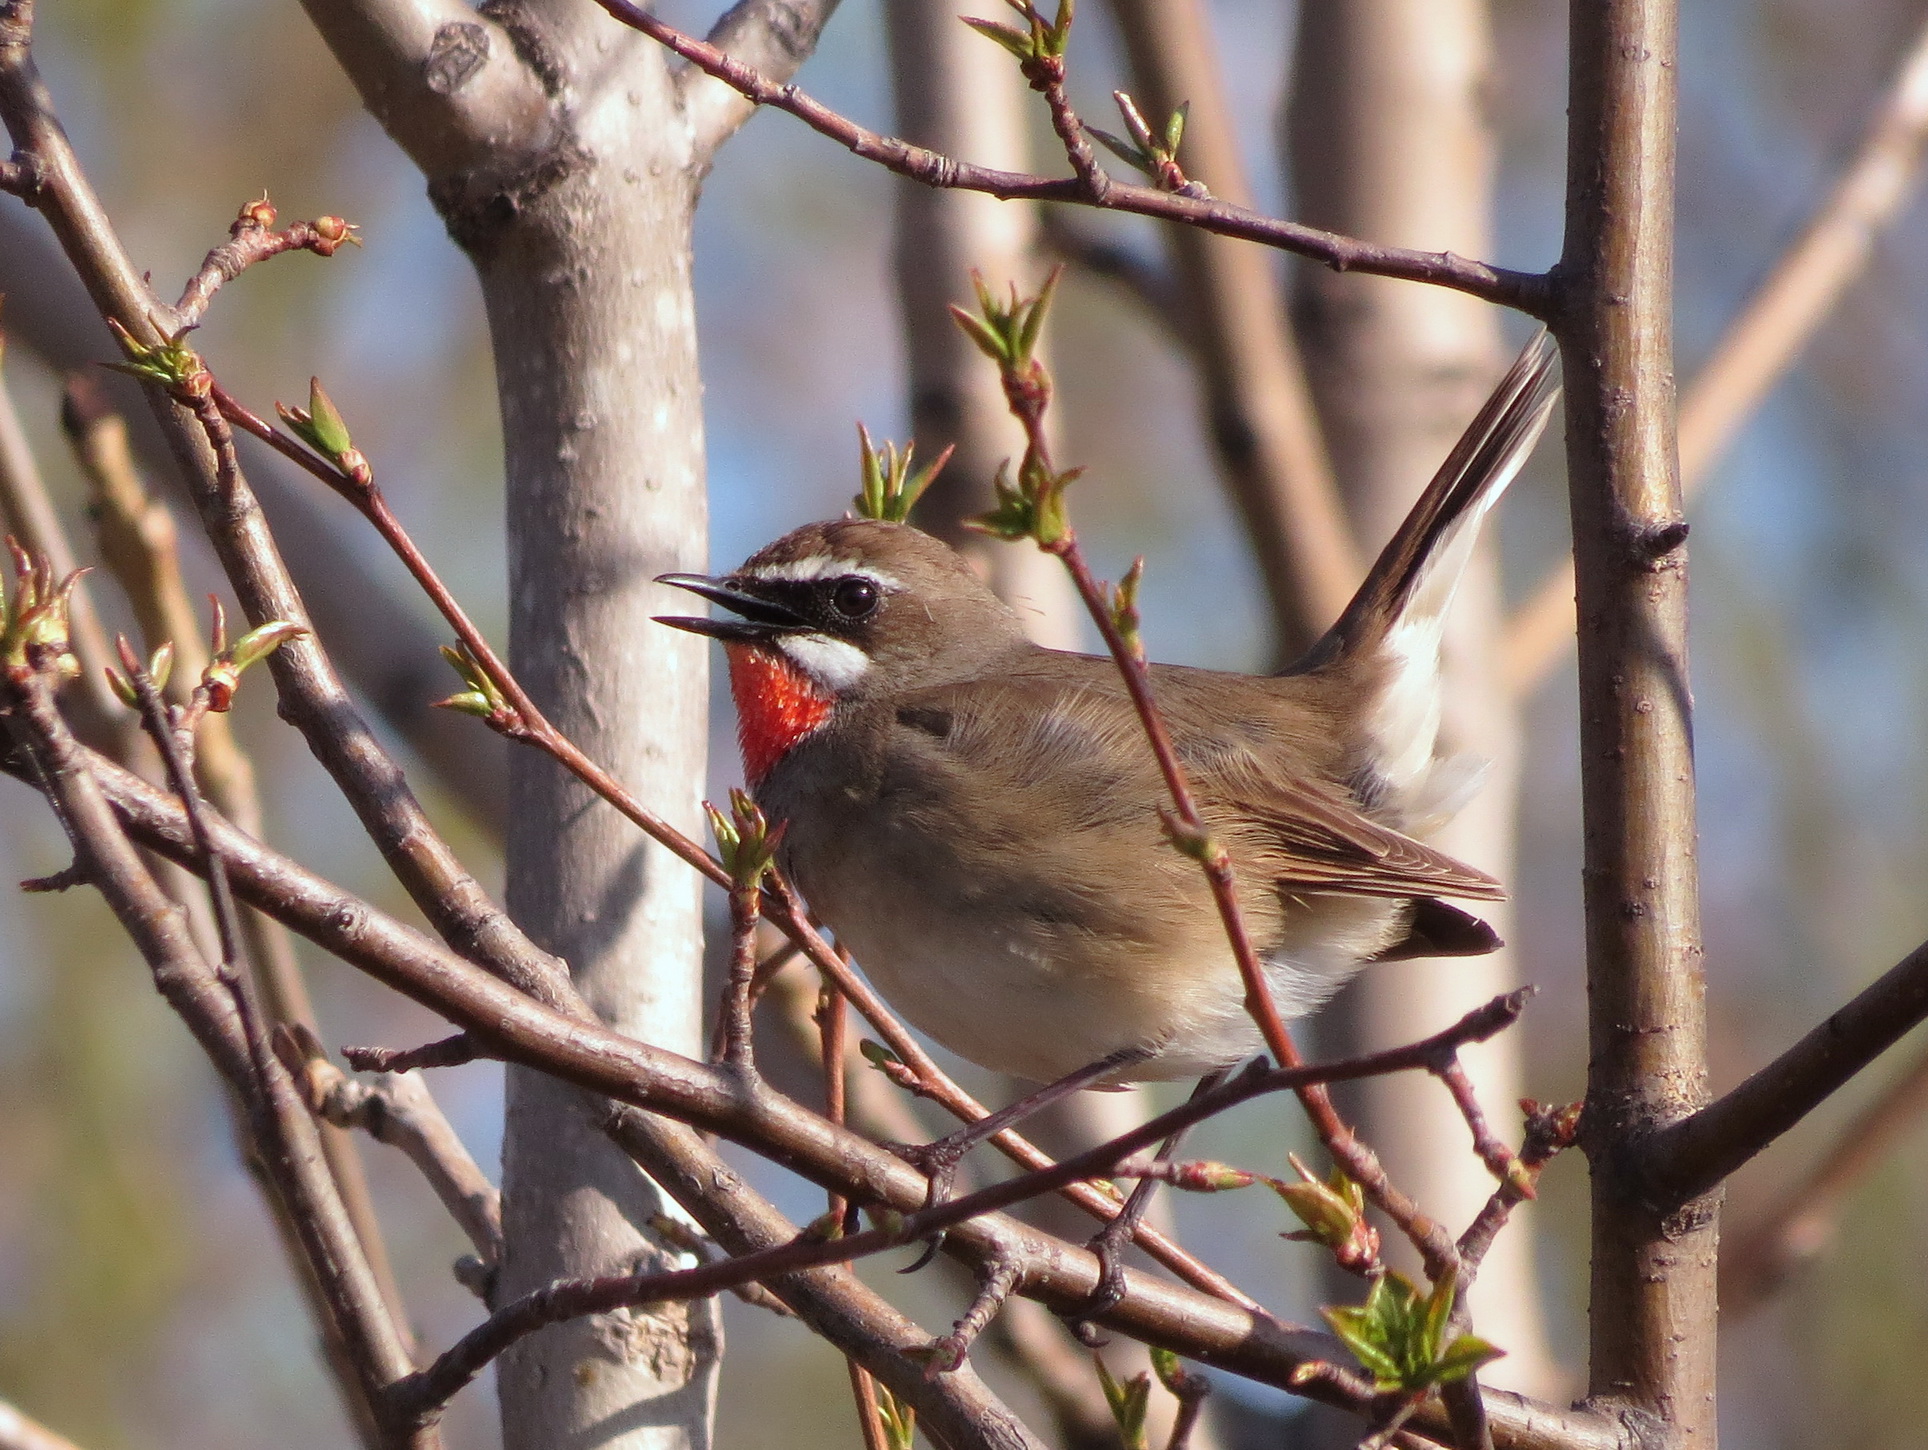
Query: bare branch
{"type": "Point", "coordinates": [1523, 290]}
{"type": "Point", "coordinates": [27, 513]}
{"type": "Point", "coordinates": [282, 1129]}
{"type": "Point", "coordinates": [1691, 1157]}
{"type": "Point", "coordinates": [1762, 342]}
{"type": "Point", "coordinates": [252, 239]}
{"type": "Point", "coordinates": [394, 668]}
{"type": "Point", "coordinates": [957, 1408]}
{"type": "Point", "coordinates": [399, 1110]}
{"type": "Point", "coordinates": [774, 37]}
{"type": "Point", "coordinates": [1183, 1320]}
{"type": "Point", "coordinates": [1652, 1312]}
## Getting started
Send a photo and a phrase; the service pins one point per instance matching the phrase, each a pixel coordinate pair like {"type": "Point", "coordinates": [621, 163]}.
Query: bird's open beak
{"type": "Point", "coordinates": [762, 618]}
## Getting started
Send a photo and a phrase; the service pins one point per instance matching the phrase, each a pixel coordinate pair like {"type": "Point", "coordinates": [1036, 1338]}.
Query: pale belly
{"type": "Point", "coordinates": [1014, 1010]}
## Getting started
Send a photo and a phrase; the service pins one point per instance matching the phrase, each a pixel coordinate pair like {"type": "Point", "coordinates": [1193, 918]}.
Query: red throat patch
{"type": "Point", "coordinates": [777, 705]}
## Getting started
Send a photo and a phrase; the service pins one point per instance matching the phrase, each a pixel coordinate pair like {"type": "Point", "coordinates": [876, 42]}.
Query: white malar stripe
{"type": "Point", "coordinates": [832, 663]}
{"type": "Point", "coordinates": [821, 566]}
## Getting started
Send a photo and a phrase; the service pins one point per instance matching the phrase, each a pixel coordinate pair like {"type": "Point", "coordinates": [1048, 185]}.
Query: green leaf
{"type": "Point", "coordinates": [1462, 1357]}
{"type": "Point", "coordinates": [1131, 155]}
{"type": "Point", "coordinates": [988, 341]}
{"type": "Point", "coordinates": [900, 1418]}
{"type": "Point", "coordinates": [1175, 129]}
{"type": "Point", "coordinates": [1032, 315]}
{"type": "Point", "coordinates": [1129, 1402]}
{"type": "Point", "coordinates": [889, 488]}
{"type": "Point", "coordinates": [1010, 37]}
{"type": "Point", "coordinates": [876, 1054]}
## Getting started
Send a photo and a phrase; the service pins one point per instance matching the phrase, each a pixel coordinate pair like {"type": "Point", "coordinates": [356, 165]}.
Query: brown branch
{"type": "Point", "coordinates": [1522, 290]}
{"type": "Point", "coordinates": [27, 513]}
{"type": "Point", "coordinates": [570, 1299]}
{"type": "Point", "coordinates": [1549, 1131]}
{"type": "Point", "coordinates": [1652, 1313]}
{"type": "Point", "coordinates": [523, 721]}
{"type": "Point", "coordinates": [1027, 390]}
{"type": "Point", "coordinates": [1800, 1222]}
{"type": "Point", "coordinates": [137, 541]}
{"type": "Point", "coordinates": [1761, 343]}
{"type": "Point", "coordinates": [282, 1130]}
{"type": "Point", "coordinates": [1692, 1156]}
{"type": "Point", "coordinates": [956, 1409]}
{"type": "Point", "coordinates": [775, 36]}
{"type": "Point", "coordinates": [398, 1109]}
{"type": "Point", "coordinates": [1183, 1320]}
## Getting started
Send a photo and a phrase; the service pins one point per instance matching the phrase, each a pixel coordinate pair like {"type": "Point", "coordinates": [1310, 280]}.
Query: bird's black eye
{"type": "Point", "coordinates": [854, 597]}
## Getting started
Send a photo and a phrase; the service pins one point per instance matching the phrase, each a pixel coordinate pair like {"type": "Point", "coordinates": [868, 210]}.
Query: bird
{"type": "Point", "coordinates": [978, 818]}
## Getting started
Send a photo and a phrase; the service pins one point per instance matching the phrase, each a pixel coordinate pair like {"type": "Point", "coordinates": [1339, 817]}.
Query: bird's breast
{"type": "Point", "coordinates": [777, 706]}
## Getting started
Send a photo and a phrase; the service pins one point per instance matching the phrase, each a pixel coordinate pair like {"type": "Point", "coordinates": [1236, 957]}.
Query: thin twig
{"type": "Point", "coordinates": [1526, 291]}
{"type": "Point", "coordinates": [290, 1155]}
{"type": "Point", "coordinates": [522, 721]}
{"type": "Point", "coordinates": [1027, 390]}
{"type": "Point", "coordinates": [137, 541]}
{"type": "Point", "coordinates": [397, 1109]}
{"type": "Point", "coordinates": [253, 239]}
{"type": "Point", "coordinates": [569, 1299]}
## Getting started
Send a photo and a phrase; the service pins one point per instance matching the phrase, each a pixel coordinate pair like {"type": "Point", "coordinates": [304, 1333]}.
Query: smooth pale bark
{"type": "Point", "coordinates": [565, 158]}
{"type": "Point", "coordinates": [1388, 141]}
{"type": "Point", "coordinates": [594, 331]}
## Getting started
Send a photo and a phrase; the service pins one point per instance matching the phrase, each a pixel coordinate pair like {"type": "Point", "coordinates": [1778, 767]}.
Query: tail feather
{"type": "Point", "coordinates": [1398, 614]}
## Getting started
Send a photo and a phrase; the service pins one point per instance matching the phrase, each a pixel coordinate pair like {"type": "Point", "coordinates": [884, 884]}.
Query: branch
{"type": "Point", "coordinates": [282, 1130]}
{"type": "Point", "coordinates": [515, 714]}
{"type": "Point", "coordinates": [28, 514]}
{"type": "Point", "coordinates": [398, 1109]}
{"type": "Point", "coordinates": [1652, 1315]}
{"type": "Point", "coordinates": [1762, 342]}
{"type": "Point", "coordinates": [580, 1051]}
{"type": "Point", "coordinates": [1800, 1221]}
{"type": "Point", "coordinates": [393, 668]}
{"type": "Point", "coordinates": [444, 80]}
{"type": "Point", "coordinates": [775, 37]}
{"type": "Point", "coordinates": [1694, 1155]}
{"type": "Point", "coordinates": [572, 1299]}
{"type": "Point", "coordinates": [957, 1407]}
{"type": "Point", "coordinates": [1523, 290]}
{"type": "Point", "coordinates": [251, 239]}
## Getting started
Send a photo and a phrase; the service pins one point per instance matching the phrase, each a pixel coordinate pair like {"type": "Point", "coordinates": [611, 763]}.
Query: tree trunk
{"type": "Point", "coordinates": [594, 331]}
{"type": "Point", "coordinates": [1652, 1316]}
{"type": "Point", "coordinates": [1388, 141]}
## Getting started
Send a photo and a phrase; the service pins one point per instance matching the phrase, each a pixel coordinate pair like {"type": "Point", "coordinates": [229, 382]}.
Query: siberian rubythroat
{"type": "Point", "coordinates": [978, 817]}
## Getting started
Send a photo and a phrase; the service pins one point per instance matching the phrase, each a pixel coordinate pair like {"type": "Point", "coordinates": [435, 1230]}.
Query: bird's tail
{"type": "Point", "coordinates": [1393, 624]}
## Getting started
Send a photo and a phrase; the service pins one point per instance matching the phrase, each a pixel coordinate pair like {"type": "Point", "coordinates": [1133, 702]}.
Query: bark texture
{"type": "Point", "coordinates": [1652, 1315]}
